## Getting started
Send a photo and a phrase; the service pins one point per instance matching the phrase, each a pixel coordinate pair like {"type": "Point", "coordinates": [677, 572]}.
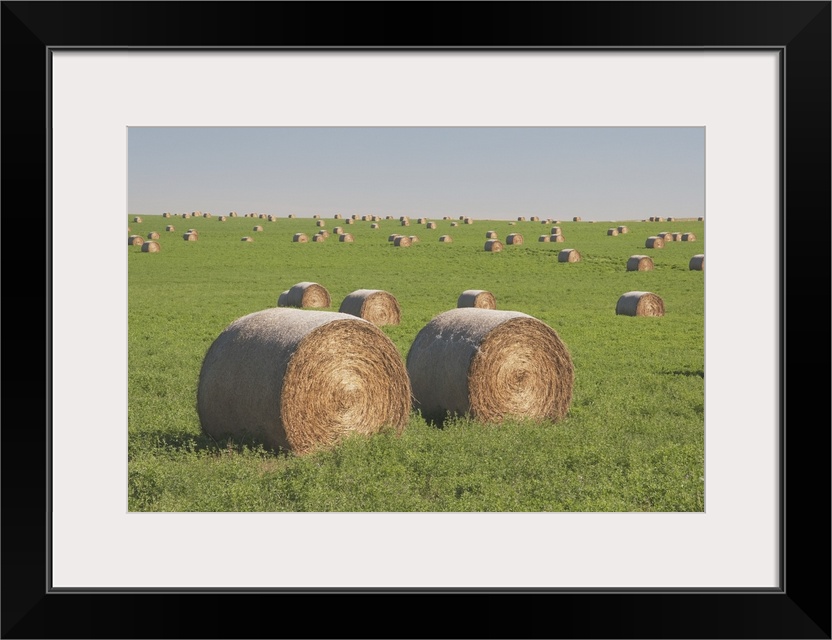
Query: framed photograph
{"type": "Point", "coordinates": [754, 76]}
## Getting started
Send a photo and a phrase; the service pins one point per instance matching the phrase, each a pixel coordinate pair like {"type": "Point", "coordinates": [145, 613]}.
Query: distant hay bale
{"type": "Point", "coordinates": [569, 255]}
{"type": "Point", "coordinates": [388, 217]}
{"type": "Point", "coordinates": [514, 239]}
{"type": "Point", "coordinates": [323, 233]}
{"type": "Point", "coordinates": [445, 239]}
{"type": "Point", "coordinates": [511, 224]}
{"type": "Point", "coordinates": [318, 238]}
{"type": "Point", "coordinates": [190, 236]}
{"type": "Point", "coordinates": [300, 237]}
{"type": "Point", "coordinates": [354, 216]}
{"type": "Point", "coordinates": [375, 218]}
{"type": "Point", "coordinates": [555, 231]}
{"type": "Point", "coordinates": [291, 216]}
{"type": "Point", "coordinates": [232, 214]}
{"type": "Point", "coordinates": [534, 219]}
{"type": "Point", "coordinates": [247, 239]}
{"type": "Point", "coordinates": [697, 262]}
{"type": "Point", "coordinates": [479, 298]}
{"type": "Point", "coordinates": [206, 215]}
{"type": "Point", "coordinates": [402, 241]}
{"type": "Point", "coordinates": [676, 236]}
{"type": "Point", "coordinates": [137, 219]}
{"type": "Point", "coordinates": [556, 237]}
{"type": "Point", "coordinates": [170, 228]}
{"type": "Point", "coordinates": [454, 224]}
{"type": "Point", "coordinates": [491, 366]}
{"type": "Point", "coordinates": [700, 219]}
{"type": "Point", "coordinates": [222, 218]}
{"type": "Point", "coordinates": [345, 237]}
{"type": "Point", "coordinates": [544, 238]}
{"type": "Point", "coordinates": [670, 219]}
{"type": "Point", "coordinates": [152, 236]}
{"type": "Point", "coordinates": [612, 232]}
{"type": "Point", "coordinates": [468, 221]}
{"type": "Point", "coordinates": [421, 221]}
{"type": "Point", "coordinates": [196, 214]}
{"type": "Point", "coordinates": [374, 226]}
{"type": "Point", "coordinates": [365, 218]}
{"type": "Point", "coordinates": [337, 216]}
{"type": "Point", "coordinates": [652, 218]}
{"type": "Point", "coordinates": [262, 216]}
{"type": "Point", "coordinates": [302, 380]}
{"type": "Point", "coordinates": [320, 223]}
{"type": "Point", "coordinates": [659, 219]}
{"type": "Point", "coordinates": [623, 229]}
{"type": "Point", "coordinates": [405, 223]}
{"type": "Point", "coordinates": [338, 230]}
{"type": "Point", "coordinates": [413, 239]}
{"type": "Point", "coordinates": [446, 217]}
{"type": "Point", "coordinates": [489, 235]}
{"type": "Point", "coordinates": [374, 305]}
{"type": "Point", "coordinates": [308, 295]}
{"type": "Point", "coordinates": [349, 221]}
{"type": "Point", "coordinates": [639, 263]}
{"type": "Point", "coordinates": [186, 216]}
{"type": "Point", "coordinates": [404, 219]}
{"type": "Point", "coordinates": [393, 236]}
{"type": "Point", "coordinates": [576, 219]}
{"type": "Point", "coordinates": [135, 241]}
{"type": "Point", "coordinates": [462, 218]}
{"type": "Point", "coordinates": [257, 228]}
{"type": "Point", "coordinates": [166, 215]}
{"type": "Point", "coordinates": [194, 231]}
{"type": "Point", "coordinates": [639, 303]}
{"type": "Point", "coordinates": [430, 225]}
{"type": "Point", "coordinates": [151, 247]}
{"type": "Point", "coordinates": [493, 246]}
{"type": "Point", "coordinates": [654, 242]}
{"type": "Point", "coordinates": [521, 218]}
{"type": "Point", "coordinates": [272, 218]}
{"type": "Point", "coordinates": [688, 237]}
{"type": "Point", "coordinates": [317, 216]}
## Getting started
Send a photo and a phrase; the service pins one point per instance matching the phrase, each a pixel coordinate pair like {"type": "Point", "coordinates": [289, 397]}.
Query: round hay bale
{"type": "Point", "coordinates": [345, 237]}
{"type": "Point", "coordinates": [405, 223]}
{"type": "Point", "coordinates": [569, 255]}
{"type": "Point", "coordinates": [639, 263]}
{"type": "Point", "coordinates": [454, 224]}
{"type": "Point", "coordinates": [300, 381]}
{"type": "Point", "coordinates": [665, 235]}
{"type": "Point", "coordinates": [318, 238]}
{"type": "Point", "coordinates": [612, 232]}
{"type": "Point", "coordinates": [196, 214]}
{"type": "Point", "coordinates": [283, 299]}
{"type": "Point", "coordinates": [402, 241]}
{"type": "Point", "coordinates": [206, 215]}
{"type": "Point", "coordinates": [194, 231]}
{"type": "Point", "coordinates": [153, 235]}
{"type": "Point", "coordinates": [308, 295]}
{"type": "Point", "coordinates": [365, 218]}
{"type": "Point", "coordinates": [462, 218]}
{"type": "Point", "coordinates": [247, 239]}
{"type": "Point", "coordinates": [421, 220]}
{"type": "Point", "coordinates": [576, 219]}
{"type": "Point", "coordinates": [544, 239]}
{"type": "Point", "coordinates": [166, 215]}
{"type": "Point", "coordinates": [151, 246]}
{"type": "Point", "coordinates": [300, 237]}
{"type": "Point", "coordinates": [490, 365]}
{"type": "Point", "coordinates": [338, 230]}
{"type": "Point", "coordinates": [374, 305]}
{"type": "Point", "coordinates": [170, 228]}
{"type": "Point", "coordinates": [375, 218]}
{"type": "Point", "coordinates": [479, 298]}
{"type": "Point", "coordinates": [190, 236]}
{"type": "Point", "coordinates": [349, 221]}
{"type": "Point", "coordinates": [659, 219]}
{"type": "Point", "coordinates": [670, 219]}
{"type": "Point", "coordinates": [374, 226]}
{"type": "Point", "coordinates": [393, 236]}
{"type": "Point", "coordinates": [639, 303]}
{"type": "Point", "coordinates": [323, 232]}
{"type": "Point", "coordinates": [688, 237]}
{"type": "Point", "coordinates": [654, 242]}
{"type": "Point", "coordinates": [135, 241]}
{"type": "Point", "coordinates": [272, 218]}
{"type": "Point", "coordinates": [430, 225]}
{"type": "Point", "coordinates": [445, 239]}
{"type": "Point", "coordinates": [534, 219]}
{"type": "Point", "coordinates": [521, 218]}
{"type": "Point", "coordinates": [652, 218]}
{"type": "Point", "coordinates": [257, 228]}
{"type": "Point", "coordinates": [555, 231]}
{"type": "Point", "coordinates": [291, 216]}
{"type": "Point", "coordinates": [232, 214]}
{"type": "Point", "coordinates": [320, 223]}
{"type": "Point", "coordinates": [493, 246]}
{"type": "Point", "coordinates": [556, 237]}
{"type": "Point", "coordinates": [222, 218]}
{"type": "Point", "coordinates": [490, 235]}
{"type": "Point", "coordinates": [697, 262]}
{"type": "Point", "coordinates": [623, 229]}
{"type": "Point", "coordinates": [137, 219]}
{"type": "Point", "coordinates": [388, 217]}
{"type": "Point", "coordinates": [413, 239]}
{"type": "Point", "coordinates": [514, 239]}
{"type": "Point", "coordinates": [511, 224]}
{"type": "Point", "coordinates": [186, 216]}
{"type": "Point", "coordinates": [700, 219]}
{"type": "Point", "coordinates": [468, 221]}
{"type": "Point", "coordinates": [404, 219]}
{"type": "Point", "coordinates": [317, 216]}
{"type": "Point", "coordinates": [337, 216]}
{"type": "Point", "coordinates": [446, 217]}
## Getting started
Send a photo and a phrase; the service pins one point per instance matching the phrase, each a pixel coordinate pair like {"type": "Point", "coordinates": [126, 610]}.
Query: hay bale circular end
{"type": "Point", "coordinates": [190, 236]}
{"type": "Point", "coordinates": [302, 380]}
{"type": "Point", "coordinates": [445, 239]}
{"type": "Point", "coordinates": [612, 232]}
{"type": "Point", "coordinates": [413, 239]}
{"type": "Point", "coordinates": [137, 219]}
{"type": "Point", "coordinates": [153, 235]}
{"type": "Point", "coordinates": [654, 242]}
{"type": "Point", "coordinates": [490, 365]}
{"type": "Point", "coordinates": [247, 239]}
{"type": "Point", "coordinates": [569, 255]}
{"type": "Point", "coordinates": [300, 237]}
{"type": "Point", "coordinates": [401, 241]}
{"type": "Point", "coordinates": [623, 229]}
{"type": "Point", "coordinates": [318, 238]}
{"type": "Point", "coordinates": [135, 241]}
{"type": "Point", "coordinates": [151, 246]}
{"type": "Point", "coordinates": [514, 239]}
{"type": "Point", "coordinates": [477, 298]}
{"type": "Point", "coordinates": [374, 305]}
{"type": "Point", "coordinates": [308, 295]}
{"type": "Point", "coordinates": [544, 239]}
{"type": "Point", "coordinates": [688, 237]}
{"type": "Point", "coordinates": [493, 246]}
{"type": "Point", "coordinates": [257, 228]}
{"type": "Point", "coordinates": [170, 227]}
{"type": "Point", "coordinates": [697, 262]}
{"type": "Point", "coordinates": [640, 263]}
{"type": "Point", "coordinates": [345, 237]}
{"type": "Point", "coordinates": [556, 237]}
{"type": "Point", "coordinates": [639, 303]}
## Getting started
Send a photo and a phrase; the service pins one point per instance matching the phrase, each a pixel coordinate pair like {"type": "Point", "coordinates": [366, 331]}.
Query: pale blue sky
{"type": "Point", "coordinates": [603, 173]}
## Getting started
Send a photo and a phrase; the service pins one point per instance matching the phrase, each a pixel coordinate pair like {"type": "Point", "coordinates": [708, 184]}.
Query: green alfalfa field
{"type": "Point", "coordinates": [632, 441]}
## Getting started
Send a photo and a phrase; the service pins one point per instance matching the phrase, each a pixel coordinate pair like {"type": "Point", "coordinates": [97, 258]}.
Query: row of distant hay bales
{"type": "Point", "coordinates": [658, 241]}
{"type": "Point", "coordinates": [661, 219]}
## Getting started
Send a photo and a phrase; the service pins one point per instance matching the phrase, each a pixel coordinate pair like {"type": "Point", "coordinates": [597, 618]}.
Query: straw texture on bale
{"type": "Point", "coordinates": [569, 255]}
{"type": "Point", "coordinates": [639, 303]}
{"type": "Point", "coordinates": [468, 221]}
{"type": "Point", "coordinates": [194, 231]}
{"type": "Point", "coordinates": [639, 263]}
{"type": "Point", "coordinates": [493, 246]}
{"type": "Point", "coordinates": [544, 239]}
{"type": "Point", "coordinates": [300, 381]}
{"type": "Point", "coordinates": [152, 236]}
{"type": "Point", "coordinates": [374, 305]}
{"type": "Point", "coordinates": [320, 223]}
{"type": "Point", "coordinates": [430, 225]}
{"type": "Point", "coordinates": [413, 239]}
{"type": "Point", "coordinates": [135, 241]}
{"type": "Point", "coordinates": [612, 232]}
{"type": "Point", "coordinates": [576, 219]}
{"type": "Point", "coordinates": [514, 238]}
{"type": "Point", "coordinates": [623, 229]}
{"type": "Point", "coordinates": [349, 221]}
{"type": "Point", "coordinates": [654, 242]}
{"type": "Point", "coordinates": [190, 237]}
{"type": "Point", "coordinates": [490, 365]}
{"type": "Point", "coordinates": [257, 228]}
{"type": "Point", "coordinates": [247, 239]}
{"type": "Point", "coordinates": [402, 241]}
{"type": "Point", "coordinates": [323, 233]}
{"type": "Point", "coordinates": [345, 237]}
{"type": "Point", "coordinates": [490, 235]}
{"type": "Point", "coordinates": [170, 228]}
{"type": "Point", "coordinates": [421, 220]}
{"type": "Point", "coordinates": [300, 237]}
{"type": "Point", "coordinates": [151, 246]}
{"type": "Point", "coordinates": [697, 262]}
{"type": "Point", "coordinates": [186, 215]}
{"type": "Point", "coordinates": [454, 224]}
{"type": "Point", "coordinates": [374, 226]}
{"type": "Point", "coordinates": [337, 216]}
{"type": "Point", "coordinates": [479, 298]}
{"type": "Point", "coordinates": [555, 231]}
{"type": "Point", "coordinates": [222, 218]}
{"type": "Point", "coordinates": [405, 223]}
{"type": "Point", "coordinates": [556, 237]}
{"type": "Point", "coordinates": [665, 235]}
{"type": "Point", "coordinates": [232, 214]}
{"type": "Point", "coordinates": [308, 295]}
{"type": "Point", "coordinates": [521, 218]}
{"type": "Point", "coordinates": [445, 239]}
{"type": "Point", "coordinates": [688, 237]}
{"type": "Point", "coordinates": [137, 219]}
{"type": "Point", "coordinates": [676, 236]}
{"type": "Point", "coordinates": [166, 215]}
{"type": "Point", "coordinates": [316, 216]}
{"type": "Point", "coordinates": [338, 230]}
{"type": "Point", "coordinates": [318, 238]}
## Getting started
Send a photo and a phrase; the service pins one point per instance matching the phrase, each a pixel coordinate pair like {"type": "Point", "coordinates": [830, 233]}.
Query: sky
{"type": "Point", "coordinates": [597, 173]}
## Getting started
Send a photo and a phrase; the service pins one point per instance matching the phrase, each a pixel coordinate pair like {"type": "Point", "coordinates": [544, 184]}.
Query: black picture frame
{"type": "Point", "coordinates": [800, 608]}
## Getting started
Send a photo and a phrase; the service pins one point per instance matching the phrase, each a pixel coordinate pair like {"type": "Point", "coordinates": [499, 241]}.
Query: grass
{"type": "Point", "coordinates": [632, 441]}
